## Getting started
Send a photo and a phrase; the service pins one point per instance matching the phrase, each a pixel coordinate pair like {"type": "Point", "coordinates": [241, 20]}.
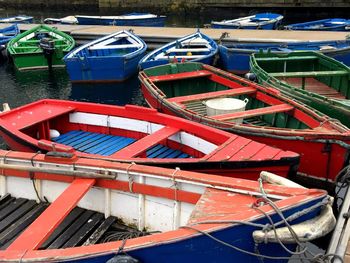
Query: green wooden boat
{"type": "Point", "coordinates": [317, 80]}
{"type": "Point", "coordinates": [39, 48]}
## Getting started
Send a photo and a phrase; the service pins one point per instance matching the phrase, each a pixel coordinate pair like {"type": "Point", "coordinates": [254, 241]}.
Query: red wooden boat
{"type": "Point", "coordinates": [183, 89]}
{"type": "Point", "coordinates": [141, 135]}
{"type": "Point", "coordinates": [97, 210]}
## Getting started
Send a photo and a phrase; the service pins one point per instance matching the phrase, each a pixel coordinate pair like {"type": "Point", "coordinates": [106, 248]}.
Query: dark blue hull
{"type": "Point", "coordinates": [99, 69]}
{"type": "Point", "coordinates": [150, 22]}
{"type": "Point", "coordinates": [235, 57]}
{"type": "Point", "coordinates": [206, 250]}
{"type": "Point", "coordinates": [334, 24]}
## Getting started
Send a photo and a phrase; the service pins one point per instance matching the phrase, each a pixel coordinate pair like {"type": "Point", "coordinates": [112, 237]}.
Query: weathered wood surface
{"type": "Point", "coordinates": [168, 33]}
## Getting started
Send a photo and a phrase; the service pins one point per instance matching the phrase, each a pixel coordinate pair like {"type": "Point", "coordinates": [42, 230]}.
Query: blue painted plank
{"type": "Point", "coordinates": [68, 141]}
{"type": "Point", "coordinates": [84, 140]}
{"type": "Point", "coordinates": [98, 149]}
{"type": "Point", "coordinates": [65, 135]}
{"type": "Point", "coordinates": [153, 149]}
{"type": "Point", "coordinates": [112, 146]}
{"type": "Point", "coordinates": [166, 153]}
{"type": "Point", "coordinates": [160, 151]}
{"type": "Point", "coordinates": [99, 141]}
{"type": "Point", "coordinates": [183, 155]}
{"type": "Point", "coordinates": [174, 154]}
{"type": "Point", "coordinates": [119, 146]}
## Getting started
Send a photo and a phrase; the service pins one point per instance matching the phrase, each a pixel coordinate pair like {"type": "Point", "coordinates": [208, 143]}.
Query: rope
{"type": "Point", "coordinates": [130, 177]}
{"type": "Point", "coordinates": [174, 182]}
{"type": "Point", "coordinates": [234, 247]}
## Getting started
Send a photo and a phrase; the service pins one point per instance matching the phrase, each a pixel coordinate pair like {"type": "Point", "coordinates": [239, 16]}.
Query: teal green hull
{"type": "Point", "coordinates": [269, 67]}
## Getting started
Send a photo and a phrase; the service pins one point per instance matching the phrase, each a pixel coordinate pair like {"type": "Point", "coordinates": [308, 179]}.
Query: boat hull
{"type": "Point", "coordinates": [37, 61]}
{"type": "Point", "coordinates": [286, 167]}
{"type": "Point", "coordinates": [149, 22]}
{"type": "Point", "coordinates": [148, 200]}
{"type": "Point", "coordinates": [236, 60]}
{"type": "Point", "coordinates": [269, 26]}
{"type": "Point", "coordinates": [100, 69]}
{"type": "Point", "coordinates": [336, 105]}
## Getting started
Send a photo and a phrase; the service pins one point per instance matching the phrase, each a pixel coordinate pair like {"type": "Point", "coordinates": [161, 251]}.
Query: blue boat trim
{"type": "Point", "coordinates": [102, 144]}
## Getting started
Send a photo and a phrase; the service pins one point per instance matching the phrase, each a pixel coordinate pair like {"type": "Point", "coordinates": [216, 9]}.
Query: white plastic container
{"type": "Point", "coordinates": [225, 105]}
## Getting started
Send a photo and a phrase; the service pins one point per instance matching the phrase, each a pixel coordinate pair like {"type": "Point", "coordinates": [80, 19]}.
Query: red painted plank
{"type": "Point", "coordinates": [36, 234]}
{"type": "Point", "coordinates": [254, 112]}
{"type": "Point", "coordinates": [214, 94]}
{"type": "Point", "coordinates": [225, 81]}
{"type": "Point", "coordinates": [35, 114]}
{"type": "Point", "coordinates": [184, 75]}
{"type": "Point", "coordinates": [146, 142]}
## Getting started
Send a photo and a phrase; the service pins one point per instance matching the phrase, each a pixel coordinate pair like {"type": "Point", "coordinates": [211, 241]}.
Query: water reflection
{"type": "Point", "coordinates": [121, 93]}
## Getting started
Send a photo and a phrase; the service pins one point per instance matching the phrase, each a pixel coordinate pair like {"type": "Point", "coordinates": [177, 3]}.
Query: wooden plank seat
{"type": "Point", "coordinates": [309, 74]}
{"type": "Point", "coordinates": [287, 58]}
{"type": "Point", "coordinates": [106, 145]}
{"type": "Point", "coordinates": [214, 94]}
{"type": "Point", "coordinates": [146, 142]}
{"type": "Point", "coordinates": [45, 224]}
{"type": "Point", "coordinates": [254, 112]}
{"type": "Point", "coordinates": [315, 86]}
{"type": "Point", "coordinates": [192, 50]}
{"type": "Point", "coordinates": [184, 75]}
{"type": "Point", "coordinates": [179, 56]}
{"type": "Point", "coordinates": [114, 46]}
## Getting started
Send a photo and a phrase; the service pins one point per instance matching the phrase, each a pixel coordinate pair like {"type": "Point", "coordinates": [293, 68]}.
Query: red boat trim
{"type": "Point", "coordinates": [231, 92]}
{"type": "Point", "coordinates": [184, 75]}
{"type": "Point", "coordinates": [36, 234]}
{"type": "Point", "coordinates": [140, 146]}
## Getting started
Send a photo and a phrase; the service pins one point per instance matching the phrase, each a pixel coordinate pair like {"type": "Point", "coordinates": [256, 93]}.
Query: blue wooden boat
{"type": "Point", "coordinates": [7, 33]}
{"type": "Point", "coordinates": [67, 20]}
{"type": "Point", "coordinates": [333, 24]}
{"type": "Point", "coordinates": [196, 47]}
{"type": "Point", "coordinates": [234, 57]}
{"type": "Point", "coordinates": [21, 19]}
{"type": "Point", "coordinates": [258, 21]}
{"type": "Point", "coordinates": [103, 212]}
{"type": "Point", "coordinates": [132, 19]}
{"type": "Point", "coordinates": [111, 58]}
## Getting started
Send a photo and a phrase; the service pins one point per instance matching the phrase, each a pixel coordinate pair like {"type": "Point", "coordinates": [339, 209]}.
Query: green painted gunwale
{"type": "Point", "coordinates": [298, 64]}
{"type": "Point", "coordinates": [27, 54]}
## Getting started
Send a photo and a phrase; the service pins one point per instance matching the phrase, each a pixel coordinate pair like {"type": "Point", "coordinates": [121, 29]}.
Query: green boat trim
{"type": "Point", "coordinates": [31, 49]}
{"type": "Point", "coordinates": [319, 81]}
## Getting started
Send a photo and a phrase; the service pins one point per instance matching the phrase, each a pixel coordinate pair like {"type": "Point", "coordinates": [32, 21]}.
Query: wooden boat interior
{"type": "Point", "coordinates": [51, 209]}
{"type": "Point", "coordinates": [191, 48]}
{"type": "Point", "coordinates": [116, 135]}
{"type": "Point", "coordinates": [119, 44]}
{"type": "Point", "coordinates": [190, 86]}
{"type": "Point", "coordinates": [309, 72]}
{"type": "Point", "coordinates": [31, 42]}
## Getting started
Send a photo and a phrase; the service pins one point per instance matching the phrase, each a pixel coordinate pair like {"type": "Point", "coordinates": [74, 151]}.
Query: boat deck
{"type": "Point", "coordinates": [315, 86]}
{"type": "Point", "coordinates": [106, 145]}
{"type": "Point", "coordinates": [161, 35]}
{"type": "Point", "coordinates": [79, 227]}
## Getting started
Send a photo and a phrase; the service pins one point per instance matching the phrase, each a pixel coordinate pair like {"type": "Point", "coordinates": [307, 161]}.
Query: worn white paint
{"type": "Point", "coordinates": [184, 138]}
